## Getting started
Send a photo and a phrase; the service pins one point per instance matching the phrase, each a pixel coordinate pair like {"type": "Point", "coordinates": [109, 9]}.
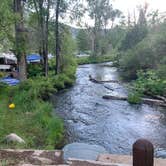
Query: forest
{"type": "Point", "coordinates": [136, 44]}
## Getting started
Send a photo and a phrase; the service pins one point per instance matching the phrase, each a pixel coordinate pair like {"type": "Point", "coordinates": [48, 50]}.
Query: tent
{"type": "Point", "coordinates": [33, 58]}
{"type": "Point", "coordinates": [10, 81]}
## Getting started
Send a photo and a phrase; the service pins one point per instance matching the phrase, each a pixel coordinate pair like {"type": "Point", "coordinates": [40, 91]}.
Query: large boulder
{"type": "Point", "coordinates": [82, 151]}
{"type": "Point", "coordinates": [14, 138]}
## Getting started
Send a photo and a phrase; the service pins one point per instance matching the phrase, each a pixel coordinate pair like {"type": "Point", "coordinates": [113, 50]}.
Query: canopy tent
{"type": "Point", "coordinates": [10, 81]}
{"type": "Point", "coordinates": [33, 58]}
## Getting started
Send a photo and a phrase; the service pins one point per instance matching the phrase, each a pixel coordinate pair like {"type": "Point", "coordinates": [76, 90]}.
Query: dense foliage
{"type": "Point", "coordinates": [146, 63]}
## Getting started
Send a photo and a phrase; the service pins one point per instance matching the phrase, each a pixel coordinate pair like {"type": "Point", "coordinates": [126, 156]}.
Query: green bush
{"type": "Point", "coordinates": [2, 74]}
{"type": "Point", "coordinates": [150, 83]}
{"type": "Point", "coordinates": [34, 70]}
{"type": "Point", "coordinates": [134, 98]}
{"type": "Point", "coordinates": [3, 86]}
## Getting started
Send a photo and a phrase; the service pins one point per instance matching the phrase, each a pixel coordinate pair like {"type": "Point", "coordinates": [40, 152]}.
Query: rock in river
{"type": "Point", "coordinates": [160, 153]}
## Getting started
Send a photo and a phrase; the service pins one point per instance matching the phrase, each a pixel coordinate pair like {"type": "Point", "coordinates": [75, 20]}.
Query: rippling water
{"type": "Point", "coordinates": [116, 125]}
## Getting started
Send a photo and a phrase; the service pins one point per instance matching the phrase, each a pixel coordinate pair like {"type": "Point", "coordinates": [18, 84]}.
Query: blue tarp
{"type": "Point", "coordinates": [33, 58]}
{"type": "Point", "coordinates": [10, 81]}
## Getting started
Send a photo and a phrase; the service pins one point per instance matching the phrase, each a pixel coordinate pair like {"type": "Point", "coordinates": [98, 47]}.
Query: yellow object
{"type": "Point", "coordinates": [12, 106]}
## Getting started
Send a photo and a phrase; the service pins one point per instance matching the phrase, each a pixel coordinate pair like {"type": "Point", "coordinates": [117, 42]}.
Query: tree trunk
{"type": "Point", "coordinates": [20, 40]}
{"type": "Point", "coordinates": [45, 57]}
{"type": "Point", "coordinates": [45, 53]}
{"type": "Point", "coordinates": [57, 70]}
{"type": "Point", "coordinates": [22, 68]}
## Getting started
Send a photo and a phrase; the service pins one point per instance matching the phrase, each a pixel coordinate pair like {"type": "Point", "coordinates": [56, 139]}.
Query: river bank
{"type": "Point", "coordinates": [55, 157]}
{"type": "Point", "coordinates": [32, 119]}
{"type": "Point", "coordinates": [94, 59]}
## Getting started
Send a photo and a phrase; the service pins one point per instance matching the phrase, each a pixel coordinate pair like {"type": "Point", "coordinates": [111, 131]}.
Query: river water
{"type": "Point", "coordinates": [115, 125]}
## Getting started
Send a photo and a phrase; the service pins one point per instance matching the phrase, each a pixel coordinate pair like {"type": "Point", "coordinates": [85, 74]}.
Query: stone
{"type": "Point", "coordinates": [14, 138]}
{"type": "Point", "coordinates": [82, 151]}
{"type": "Point", "coordinates": [33, 157]}
{"type": "Point", "coordinates": [160, 153]}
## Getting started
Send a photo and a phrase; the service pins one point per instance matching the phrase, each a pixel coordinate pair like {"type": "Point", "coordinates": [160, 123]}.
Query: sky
{"type": "Point", "coordinates": [128, 6]}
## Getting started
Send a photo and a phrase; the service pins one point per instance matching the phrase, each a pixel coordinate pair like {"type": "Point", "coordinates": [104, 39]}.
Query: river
{"type": "Point", "coordinates": [115, 125]}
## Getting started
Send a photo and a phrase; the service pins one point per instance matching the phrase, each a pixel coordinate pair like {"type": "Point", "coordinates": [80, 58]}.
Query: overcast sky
{"type": "Point", "coordinates": [128, 6]}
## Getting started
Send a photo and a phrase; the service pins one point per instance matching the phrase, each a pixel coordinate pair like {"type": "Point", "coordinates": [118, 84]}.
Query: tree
{"type": "Point", "coordinates": [82, 41]}
{"type": "Point", "coordinates": [42, 9]}
{"type": "Point", "coordinates": [57, 70]}
{"type": "Point", "coordinates": [101, 12]}
{"type": "Point", "coordinates": [73, 9]}
{"type": "Point", "coordinates": [7, 20]}
{"type": "Point", "coordinates": [20, 39]}
{"type": "Point", "coordinates": [114, 14]}
{"type": "Point", "coordinates": [136, 33]}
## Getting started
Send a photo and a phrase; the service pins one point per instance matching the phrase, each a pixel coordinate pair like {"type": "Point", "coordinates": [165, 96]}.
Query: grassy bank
{"type": "Point", "coordinates": [32, 117]}
{"type": "Point", "coordinates": [93, 59]}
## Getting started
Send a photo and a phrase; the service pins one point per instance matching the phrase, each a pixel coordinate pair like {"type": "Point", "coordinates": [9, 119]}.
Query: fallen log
{"type": "Point", "coordinates": [156, 96]}
{"type": "Point", "coordinates": [107, 65]}
{"type": "Point", "coordinates": [154, 101]}
{"type": "Point", "coordinates": [144, 100]}
{"type": "Point", "coordinates": [115, 97]}
{"type": "Point", "coordinates": [101, 82]}
{"type": "Point", "coordinates": [161, 98]}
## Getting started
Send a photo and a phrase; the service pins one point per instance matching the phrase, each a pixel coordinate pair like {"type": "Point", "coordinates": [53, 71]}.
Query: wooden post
{"type": "Point", "coordinates": [143, 153]}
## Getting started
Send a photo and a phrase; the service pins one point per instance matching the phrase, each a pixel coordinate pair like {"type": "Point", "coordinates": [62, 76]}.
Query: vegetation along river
{"type": "Point", "coordinates": [114, 124]}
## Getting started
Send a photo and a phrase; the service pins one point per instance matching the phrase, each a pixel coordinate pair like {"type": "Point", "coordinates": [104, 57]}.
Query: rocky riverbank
{"type": "Point", "coordinates": [42, 157]}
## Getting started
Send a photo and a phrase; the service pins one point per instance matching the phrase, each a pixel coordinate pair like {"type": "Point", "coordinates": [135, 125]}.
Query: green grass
{"type": "Point", "coordinates": [94, 59]}
{"type": "Point", "coordinates": [32, 117]}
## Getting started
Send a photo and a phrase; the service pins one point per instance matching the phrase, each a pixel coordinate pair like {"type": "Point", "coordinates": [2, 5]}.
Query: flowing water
{"type": "Point", "coordinates": [114, 124]}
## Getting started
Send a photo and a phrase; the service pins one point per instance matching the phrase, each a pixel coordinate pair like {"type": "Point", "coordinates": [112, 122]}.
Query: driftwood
{"type": "Point", "coordinates": [107, 65]}
{"type": "Point", "coordinates": [144, 100]}
{"type": "Point", "coordinates": [156, 96]}
{"type": "Point", "coordinates": [109, 88]}
{"type": "Point", "coordinates": [101, 82]}
{"type": "Point", "coordinates": [161, 98]}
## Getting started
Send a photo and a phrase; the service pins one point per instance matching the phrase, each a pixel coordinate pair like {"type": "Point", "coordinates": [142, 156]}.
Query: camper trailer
{"type": "Point", "coordinates": [8, 61]}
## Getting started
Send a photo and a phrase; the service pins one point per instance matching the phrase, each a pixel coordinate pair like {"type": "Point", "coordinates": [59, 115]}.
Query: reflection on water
{"type": "Point", "coordinates": [116, 125]}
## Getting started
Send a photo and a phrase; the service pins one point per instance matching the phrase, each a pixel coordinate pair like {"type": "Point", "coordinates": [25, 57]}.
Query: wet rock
{"type": "Point", "coordinates": [14, 138]}
{"type": "Point", "coordinates": [82, 151]}
{"type": "Point", "coordinates": [160, 153]}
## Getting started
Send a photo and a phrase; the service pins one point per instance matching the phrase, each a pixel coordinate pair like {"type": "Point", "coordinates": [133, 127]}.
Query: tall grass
{"type": "Point", "coordinates": [32, 118]}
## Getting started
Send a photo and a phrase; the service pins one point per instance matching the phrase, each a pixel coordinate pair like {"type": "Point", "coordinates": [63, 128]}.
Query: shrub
{"type": "Point", "coordinates": [134, 98]}
{"type": "Point", "coordinates": [2, 74]}
{"type": "Point", "coordinates": [34, 70]}
{"type": "Point", "coordinates": [149, 83]}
